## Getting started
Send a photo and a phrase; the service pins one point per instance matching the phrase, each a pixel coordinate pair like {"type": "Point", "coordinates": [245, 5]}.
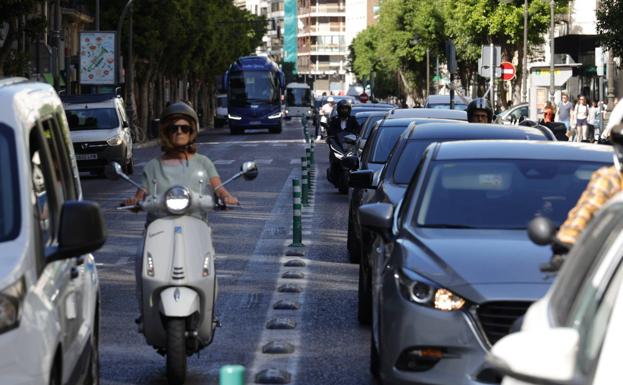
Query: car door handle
{"type": "Point", "coordinates": [74, 273]}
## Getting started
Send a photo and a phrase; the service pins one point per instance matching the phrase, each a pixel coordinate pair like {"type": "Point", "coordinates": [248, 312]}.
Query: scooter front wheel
{"type": "Point", "coordinates": [176, 351]}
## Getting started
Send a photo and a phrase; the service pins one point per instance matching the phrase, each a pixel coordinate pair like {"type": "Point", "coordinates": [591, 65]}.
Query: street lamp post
{"type": "Point", "coordinates": [524, 63]}
{"type": "Point", "coordinates": [552, 90]}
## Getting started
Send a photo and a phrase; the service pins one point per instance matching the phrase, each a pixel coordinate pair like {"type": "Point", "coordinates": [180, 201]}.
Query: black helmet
{"type": "Point", "coordinates": [178, 110]}
{"type": "Point", "coordinates": [479, 104]}
{"type": "Point", "coordinates": [343, 108]}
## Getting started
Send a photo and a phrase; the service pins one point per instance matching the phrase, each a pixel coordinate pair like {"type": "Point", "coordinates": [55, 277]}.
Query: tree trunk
{"type": "Point", "coordinates": [8, 43]}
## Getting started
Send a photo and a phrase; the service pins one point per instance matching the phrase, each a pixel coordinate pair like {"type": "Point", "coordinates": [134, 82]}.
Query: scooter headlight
{"type": "Point", "coordinates": [177, 200]}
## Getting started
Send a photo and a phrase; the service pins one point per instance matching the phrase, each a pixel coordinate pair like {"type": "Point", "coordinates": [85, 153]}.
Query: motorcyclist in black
{"type": "Point", "coordinates": [338, 126]}
{"type": "Point", "coordinates": [479, 111]}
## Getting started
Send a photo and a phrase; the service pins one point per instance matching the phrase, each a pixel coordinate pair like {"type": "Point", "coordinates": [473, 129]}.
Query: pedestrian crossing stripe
{"type": "Point", "coordinates": [223, 161]}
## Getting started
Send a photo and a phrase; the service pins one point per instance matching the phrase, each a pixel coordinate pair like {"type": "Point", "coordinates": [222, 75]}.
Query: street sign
{"type": "Point", "coordinates": [485, 55]}
{"type": "Point", "coordinates": [508, 70]}
{"type": "Point", "coordinates": [485, 72]}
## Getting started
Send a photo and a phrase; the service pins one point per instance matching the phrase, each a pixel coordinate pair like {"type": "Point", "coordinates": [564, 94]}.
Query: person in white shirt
{"type": "Point", "coordinates": [581, 112]}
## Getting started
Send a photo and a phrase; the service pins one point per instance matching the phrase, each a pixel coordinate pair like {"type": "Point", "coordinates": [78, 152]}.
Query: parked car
{"type": "Point", "coordinates": [100, 131]}
{"type": "Point", "coordinates": [431, 113]}
{"type": "Point", "coordinates": [443, 102]}
{"type": "Point", "coordinates": [457, 271]}
{"type": "Point", "coordinates": [396, 175]}
{"type": "Point", "coordinates": [49, 288]}
{"type": "Point", "coordinates": [364, 107]}
{"type": "Point", "coordinates": [220, 117]}
{"type": "Point", "coordinates": [577, 325]}
{"type": "Point", "coordinates": [513, 115]}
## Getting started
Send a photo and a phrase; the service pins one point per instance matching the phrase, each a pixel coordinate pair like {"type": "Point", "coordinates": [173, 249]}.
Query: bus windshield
{"type": "Point", "coordinates": [253, 87]}
{"type": "Point", "coordinates": [298, 97]}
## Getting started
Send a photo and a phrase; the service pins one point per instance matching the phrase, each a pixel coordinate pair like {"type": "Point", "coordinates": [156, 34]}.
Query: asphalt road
{"type": "Point", "coordinates": [251, 242]}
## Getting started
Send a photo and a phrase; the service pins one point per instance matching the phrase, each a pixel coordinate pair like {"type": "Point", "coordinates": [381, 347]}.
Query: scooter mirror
{"type": "Point", "coordinates": [541, 231]}
{"type": "Point", "coordinates": [249, 170]}
{"type": "Point", "coordinates": [113, 171]}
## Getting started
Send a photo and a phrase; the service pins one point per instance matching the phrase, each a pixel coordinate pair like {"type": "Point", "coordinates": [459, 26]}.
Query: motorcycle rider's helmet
{"type": "Point", "coordinates": [343, 109]}
{"type": "Point", "coordinates": [479, 104]}
{"type": "Point", "coordinates": [178, 110]}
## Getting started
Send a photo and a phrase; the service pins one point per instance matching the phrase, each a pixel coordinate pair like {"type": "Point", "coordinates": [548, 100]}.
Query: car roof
{"type": "Point", "coordinates": [376, 112]}
{"type": "Point", "coordinates": [446, 99]}
{"type": "Point", "coordinates": [298, 85]}
{"type": "Point", "coordinates": [524, 149]}
{"type": "Point", "coordinates": [397, 122]}
{"type": "Point", "coordinates": [427, 113]}
{"type": "Point", "coordinates": [457, 130]}
{"type": "Point", "coordinates": [90, 98]}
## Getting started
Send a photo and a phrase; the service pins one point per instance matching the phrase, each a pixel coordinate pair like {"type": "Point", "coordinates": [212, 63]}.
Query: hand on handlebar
{"type": "Point", "coordinates": [131, 202]}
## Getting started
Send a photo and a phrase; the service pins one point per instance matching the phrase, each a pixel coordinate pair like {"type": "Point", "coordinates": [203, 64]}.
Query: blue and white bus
{"type": "Point", "coordinates": [254, 87]}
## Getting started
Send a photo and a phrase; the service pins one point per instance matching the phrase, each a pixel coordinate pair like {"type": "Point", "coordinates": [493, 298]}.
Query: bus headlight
{"type": "Point", "coordinates": [234, 117]}
{"type": "Point", "coordinates": [275, 116]}
{"type": "Point", "coordinates": [177, 200]}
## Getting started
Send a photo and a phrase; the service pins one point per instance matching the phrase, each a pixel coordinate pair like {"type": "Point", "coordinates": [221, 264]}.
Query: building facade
{"type": "Point", "coordinates": [322, 50]}
{"type": "Point", "coordinates": [360, 15]}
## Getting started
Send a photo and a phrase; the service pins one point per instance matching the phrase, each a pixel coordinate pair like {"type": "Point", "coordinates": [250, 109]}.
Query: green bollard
{"type": "Point", "coordinates": [297, 224]}
{"type": "Point", "coordinates": [312, 144]}
{"type": "Point", "coordinates": [304, 182]}
{"type": "Point", "coordinates": [309, 167]}
{"type": "Point", "coordinates": [231, 375]}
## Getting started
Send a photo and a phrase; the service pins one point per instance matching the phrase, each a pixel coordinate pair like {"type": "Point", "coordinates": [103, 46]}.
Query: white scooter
{"type": "Point", "coordinates": [179, 287]}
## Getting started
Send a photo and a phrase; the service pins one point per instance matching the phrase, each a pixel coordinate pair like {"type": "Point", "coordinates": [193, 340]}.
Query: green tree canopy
{"type": "Point", "coordinates": [609, 25]}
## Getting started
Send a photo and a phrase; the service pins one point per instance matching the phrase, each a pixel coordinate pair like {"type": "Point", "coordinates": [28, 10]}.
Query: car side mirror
{"type": "Point", "coordinates": [378, 217]}
{"type": "Point", "coordinates": [82, 230]}
{"type": "Point", "coordinates": [249, 170]}
{"type": "Point", "coordinates": [541, 231]}
{"type": "Point", "coordinates": [515, 355]}
{"type": "Point", "coordinates": [361, 179]}
{"type": "Point", "coordinates": [350, 139]}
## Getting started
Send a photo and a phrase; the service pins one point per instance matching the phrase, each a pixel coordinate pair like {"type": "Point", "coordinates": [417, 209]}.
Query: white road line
{"type": "Point", "coordinates": [249, 145]}
{"type": "Point", "coordinates": [263, 161]}
{"type": "Point", "coordinates": [279, 145]}
{"type": "Point", "coordinates": [223, 161]}
{"type": "Point", "coordinates": [295, 161]}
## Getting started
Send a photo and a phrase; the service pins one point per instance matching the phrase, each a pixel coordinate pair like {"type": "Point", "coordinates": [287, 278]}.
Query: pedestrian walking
{"type": "Point", "coordinates": [581, 113]}
{"type": "Point", "coordinates": [564, 113]}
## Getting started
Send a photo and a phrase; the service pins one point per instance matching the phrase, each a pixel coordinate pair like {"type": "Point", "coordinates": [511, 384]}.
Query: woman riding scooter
{"type": "Point", "coordinates": [179, 164]}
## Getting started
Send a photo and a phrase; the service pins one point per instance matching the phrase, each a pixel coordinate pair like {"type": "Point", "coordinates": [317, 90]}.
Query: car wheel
{"type": "Point", "coordinates": [364, 303]}
{"type": "Point", "coordinates": [93, 371]}
{"type": "Point", "coordinates": [176, 351]}
{"type": "Point", "coordinates": [354, 249]}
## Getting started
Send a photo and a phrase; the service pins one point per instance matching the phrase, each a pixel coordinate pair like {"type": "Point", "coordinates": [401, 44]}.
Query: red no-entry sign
{"type": "Point", "coordinates": [508, 70]}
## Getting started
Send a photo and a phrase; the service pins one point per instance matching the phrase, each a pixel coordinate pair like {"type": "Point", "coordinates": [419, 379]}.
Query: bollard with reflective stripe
{"type": "Point", "coordinates": [312, 145]}
{"type": "Point", "coordinates": [309, 164]}
{"type": "Point", "coordinates": [297, 226]}
{"type": "Point", "coordinates": [231, 375]}
{"type": "Point", "coordinates": [304, 181]}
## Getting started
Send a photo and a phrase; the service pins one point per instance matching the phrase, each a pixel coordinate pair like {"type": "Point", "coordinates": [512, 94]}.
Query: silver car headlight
{"type": "Point", "coordinates": [423, 292]}
{"type": "Point", "coordinates": [10, 302]}
{"type": "Point", "coordinates": [177, 200]}
{"type": "Point", "coordinates": [114, 141]}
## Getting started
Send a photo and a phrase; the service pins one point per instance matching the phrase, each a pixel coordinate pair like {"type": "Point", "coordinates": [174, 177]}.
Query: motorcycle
{"type": "Point", "coordinates": [342, 160]}
{"type": "Point", "coordinates": [178, 279]}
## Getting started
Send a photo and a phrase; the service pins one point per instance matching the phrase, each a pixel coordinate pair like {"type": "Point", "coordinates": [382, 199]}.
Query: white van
{"type": "Point", "coordinates": [100, 131]}
{"type": "Point", "coordinates": [299, 101]}
{"type": "Point", "coordinates": [49, 288]}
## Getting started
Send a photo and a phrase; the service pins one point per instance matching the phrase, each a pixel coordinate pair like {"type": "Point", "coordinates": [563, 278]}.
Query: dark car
{"type": "Point", "coordinates": [432, 113]}
{"type": "Point", "coordinates": [397, 173]}
{"type": "Point", "coordinates": [455, 270]}
{"type": "Point", "coordinates": [366, 121]}
{"type": "Point", "coordinates": [381, 141]}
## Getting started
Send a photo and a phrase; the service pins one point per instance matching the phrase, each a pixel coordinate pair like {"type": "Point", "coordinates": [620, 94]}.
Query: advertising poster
{"type": "Point", "coordinates": [97, 58]}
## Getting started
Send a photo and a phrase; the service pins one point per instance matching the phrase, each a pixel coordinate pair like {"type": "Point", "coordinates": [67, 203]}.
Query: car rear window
{"type": "Point", "coordinates": [92, 119]}
{"type": "Point", "coordinates": [384, 140]}
{"type": "Point", "coordinates": [10, 218]}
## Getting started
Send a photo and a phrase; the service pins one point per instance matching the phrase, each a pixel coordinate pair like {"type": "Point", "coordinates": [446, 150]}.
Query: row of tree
{"type": "Point", "coordinates": [180, 47]}
{"type": "Point", "coordinates": [393, 51]}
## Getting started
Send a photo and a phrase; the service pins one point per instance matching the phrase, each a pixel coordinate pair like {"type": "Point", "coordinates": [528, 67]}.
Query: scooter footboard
{"type": "Point", "coordinates": [179, 302]}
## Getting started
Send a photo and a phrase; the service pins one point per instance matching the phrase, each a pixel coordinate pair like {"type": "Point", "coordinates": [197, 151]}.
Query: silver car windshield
{"type": "Point", "coordinates": [500, 193]}
{"type": "Point", "coordinates": [9, 188]}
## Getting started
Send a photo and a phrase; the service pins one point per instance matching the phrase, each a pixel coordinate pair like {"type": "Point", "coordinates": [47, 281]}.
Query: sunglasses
{"type": "Point", "coordinates": [174, 128]}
